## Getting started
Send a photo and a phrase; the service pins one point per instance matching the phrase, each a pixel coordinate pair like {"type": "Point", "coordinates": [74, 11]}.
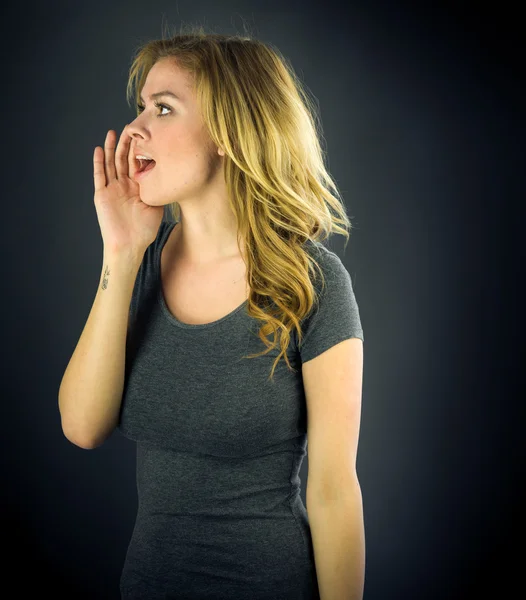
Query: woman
{"type": "Point", "coordinates": [226, 138]}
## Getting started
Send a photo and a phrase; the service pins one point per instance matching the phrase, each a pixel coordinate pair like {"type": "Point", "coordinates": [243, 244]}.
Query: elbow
{"type": "Point", "coordinates": [79, 443]}
{"type": "Point", "coordinates": [83, 441]}
{"type": "Point", "coordinates": [79, 437]}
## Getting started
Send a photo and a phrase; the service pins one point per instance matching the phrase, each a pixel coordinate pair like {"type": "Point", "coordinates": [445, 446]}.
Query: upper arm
{"type": "Point", "coordinates": [333, 390]}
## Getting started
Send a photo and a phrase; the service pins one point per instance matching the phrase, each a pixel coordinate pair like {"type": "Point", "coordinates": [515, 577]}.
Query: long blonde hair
{"type": "Point", "coordinates": [256, 109]}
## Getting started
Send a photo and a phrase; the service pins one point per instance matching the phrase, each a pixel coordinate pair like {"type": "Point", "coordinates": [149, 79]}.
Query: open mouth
{"type": "Point", "coordinates": [145, 165]}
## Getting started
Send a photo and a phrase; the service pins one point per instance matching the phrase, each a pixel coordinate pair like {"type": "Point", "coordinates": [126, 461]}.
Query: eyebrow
{"type": "Point", "coordinates": [163, 93]}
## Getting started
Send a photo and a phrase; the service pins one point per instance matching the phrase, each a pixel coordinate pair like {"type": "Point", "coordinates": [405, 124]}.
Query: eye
{"type": "Point", "coordinates": [140, 108]}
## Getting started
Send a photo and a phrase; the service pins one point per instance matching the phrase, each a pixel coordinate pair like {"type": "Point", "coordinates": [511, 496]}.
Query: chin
{"type": "Point", "coordinates": [146, 200]}
{"type": "Point", "coordinates": [151, 199]}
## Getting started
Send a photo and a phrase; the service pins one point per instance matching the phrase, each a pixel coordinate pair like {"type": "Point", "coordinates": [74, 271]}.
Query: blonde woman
{"type": "Point", "coordinates": [176, 352]}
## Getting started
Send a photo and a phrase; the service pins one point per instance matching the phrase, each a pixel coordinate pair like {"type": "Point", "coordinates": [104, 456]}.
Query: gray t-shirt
{"type": "Point", "coordinates": [219, 448]}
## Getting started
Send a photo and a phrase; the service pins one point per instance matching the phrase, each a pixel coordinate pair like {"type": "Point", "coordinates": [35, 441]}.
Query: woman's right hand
{"type": "Point", "coordinates": [127, 224]}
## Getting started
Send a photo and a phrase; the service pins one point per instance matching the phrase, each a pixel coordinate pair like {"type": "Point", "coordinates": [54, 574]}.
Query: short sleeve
{"type": "Point", "coordinates": [336, 317]}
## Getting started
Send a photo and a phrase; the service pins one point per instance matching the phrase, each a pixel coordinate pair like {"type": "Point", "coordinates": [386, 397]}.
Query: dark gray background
{"type": "Point", "coordinates": [422, 112]}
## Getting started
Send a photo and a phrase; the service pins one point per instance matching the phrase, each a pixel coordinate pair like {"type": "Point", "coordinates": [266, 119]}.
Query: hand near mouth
{"type": "Point", "coordinates": [127, 224]}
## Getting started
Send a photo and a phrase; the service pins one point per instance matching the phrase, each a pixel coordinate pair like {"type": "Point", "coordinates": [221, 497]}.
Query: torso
{"type": "Point", "coordinates": [204, 294]}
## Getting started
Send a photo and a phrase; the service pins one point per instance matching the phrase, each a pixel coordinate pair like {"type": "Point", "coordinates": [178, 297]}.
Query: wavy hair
{"type": "Point", "coordinates": [256, 109]}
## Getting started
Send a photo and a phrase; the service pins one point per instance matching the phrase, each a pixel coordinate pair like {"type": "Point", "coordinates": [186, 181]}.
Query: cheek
{"type": "Point", "coordinates": [193, 162]}
{"type": "Point", "coordinates": [186, 171]}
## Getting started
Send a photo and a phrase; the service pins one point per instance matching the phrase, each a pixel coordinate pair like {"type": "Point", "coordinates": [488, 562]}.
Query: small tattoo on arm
{"type": "Point", "coordinates": [105, 278]}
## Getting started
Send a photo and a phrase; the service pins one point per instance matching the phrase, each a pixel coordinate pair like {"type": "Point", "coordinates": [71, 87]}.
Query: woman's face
{"type": "Point", "coordinates": [187, 164]}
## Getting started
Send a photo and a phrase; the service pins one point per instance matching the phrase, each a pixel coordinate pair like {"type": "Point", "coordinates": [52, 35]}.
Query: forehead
{"type": "Point", "coordinates": [167, 75]}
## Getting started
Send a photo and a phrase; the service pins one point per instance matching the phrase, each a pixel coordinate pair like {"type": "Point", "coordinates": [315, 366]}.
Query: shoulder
{"type": "Point", "coordinates": [322, 253]}
{"type": "Point", "coordinates": [331, 265]}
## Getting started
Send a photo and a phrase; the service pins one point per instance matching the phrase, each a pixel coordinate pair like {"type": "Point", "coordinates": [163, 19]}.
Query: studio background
{"type": "Point", "coordinates": [423, 122]}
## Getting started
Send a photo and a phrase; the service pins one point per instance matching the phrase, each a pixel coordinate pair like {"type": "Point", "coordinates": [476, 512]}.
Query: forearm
{"type": "Point", "coordinates": [90, 392]}
{"type": "Point", "coordinates": [338, 537]}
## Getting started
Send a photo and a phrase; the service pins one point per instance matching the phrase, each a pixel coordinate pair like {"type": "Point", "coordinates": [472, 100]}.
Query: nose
{"type": "Point", "coordinates": [133, 130]}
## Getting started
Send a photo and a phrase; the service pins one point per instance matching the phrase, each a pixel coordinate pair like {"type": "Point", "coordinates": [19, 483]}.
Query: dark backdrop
{"type": "Point", "coordinates": [422, 110]}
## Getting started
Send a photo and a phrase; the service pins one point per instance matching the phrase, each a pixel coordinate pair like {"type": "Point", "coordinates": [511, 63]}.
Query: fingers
{"type": "Point", "coordinates": [109, 155]}
{"type": "Point", "coordinates": [99, 176]}
{"type": "Point", "coordinates": [103, 167]}
{"type": "Point", "coordinates": [111, 163]}
{"type": "Point", "coordinates": [132, 163]}
{"type": "Point", "coordinates": [122, 156]}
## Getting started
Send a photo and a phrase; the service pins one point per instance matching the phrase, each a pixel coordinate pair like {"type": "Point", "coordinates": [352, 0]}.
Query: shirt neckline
{"type": "Point", "coordinates": [160, 295]}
